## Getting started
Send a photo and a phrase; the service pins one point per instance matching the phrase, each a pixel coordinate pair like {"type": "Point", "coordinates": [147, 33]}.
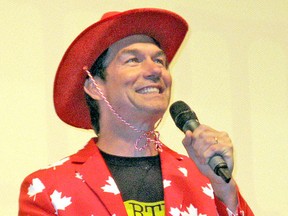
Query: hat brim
{"type": "Point", "coordinates": [166, 27]}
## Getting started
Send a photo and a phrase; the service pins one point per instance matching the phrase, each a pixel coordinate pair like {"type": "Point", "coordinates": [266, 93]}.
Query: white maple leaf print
{"type": "Point", "coordinates": [58, 202]}
{"type": "Point", "coordinates": [36, 187]}
{"type": "Point", "coordinates": [175, 211]}
{"type": "Point", "coordinates": [111, 187]}
{"type": "Point", "coordinates": [166, 183]}
{"type": "Point", "coordinates": [58, 163]}
{"type": "Point", "coordinates": [78, 175]}
{"type": "Point", "coordinates": [208, 191]}
{"type": "Point", "coordinates": [183, 170]}
{"type": "Point", "coordinates": [191, 211]}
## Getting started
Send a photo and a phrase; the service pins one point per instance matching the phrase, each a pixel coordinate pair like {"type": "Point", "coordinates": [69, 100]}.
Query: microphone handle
{"type": "Point", "coordinates": [219, 166]}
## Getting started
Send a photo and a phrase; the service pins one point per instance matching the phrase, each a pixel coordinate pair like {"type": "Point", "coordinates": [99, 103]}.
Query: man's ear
{"type": "Point", "coordinates": [91, 90]}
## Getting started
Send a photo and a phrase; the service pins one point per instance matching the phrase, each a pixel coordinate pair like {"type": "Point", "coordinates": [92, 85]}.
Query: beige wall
{"type": "Point", "coordinates": [232, 70]}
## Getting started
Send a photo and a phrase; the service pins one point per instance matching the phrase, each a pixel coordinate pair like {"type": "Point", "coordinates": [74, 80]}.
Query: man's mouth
{"type": "Point", "coordinates": [149, 90]}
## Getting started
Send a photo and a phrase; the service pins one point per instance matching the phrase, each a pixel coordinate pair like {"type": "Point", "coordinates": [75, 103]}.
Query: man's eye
{"type": "Point", "coordinates": [160, 61]}
{"type": "Point", "coordinates": [133, 60]}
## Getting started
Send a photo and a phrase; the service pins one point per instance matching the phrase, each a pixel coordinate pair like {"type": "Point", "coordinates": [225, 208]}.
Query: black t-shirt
{"type": "Point", "coordinates": [138, 178]}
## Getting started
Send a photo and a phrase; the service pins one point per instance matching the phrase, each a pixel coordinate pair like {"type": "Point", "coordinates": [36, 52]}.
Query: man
{"type": "Point", "coordinates": [120, 65]}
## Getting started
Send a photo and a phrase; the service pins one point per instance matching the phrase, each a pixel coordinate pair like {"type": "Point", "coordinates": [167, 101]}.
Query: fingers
{"type": "Point", "coordinates": [205, 142]}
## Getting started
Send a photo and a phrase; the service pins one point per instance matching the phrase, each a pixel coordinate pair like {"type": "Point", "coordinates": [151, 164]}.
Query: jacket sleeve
{"type": "Point", "coordinates": [34, 200]}
{"type": "Point", "coordinates": [242, 210]}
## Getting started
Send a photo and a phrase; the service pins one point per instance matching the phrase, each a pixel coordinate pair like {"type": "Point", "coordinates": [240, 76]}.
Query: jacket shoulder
{"type": "Point", "coordinates": [63, 168]}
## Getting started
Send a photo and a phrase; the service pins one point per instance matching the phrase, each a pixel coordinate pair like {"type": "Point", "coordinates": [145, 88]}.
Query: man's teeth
{"type": "Point", "coordinates": [149, 90]}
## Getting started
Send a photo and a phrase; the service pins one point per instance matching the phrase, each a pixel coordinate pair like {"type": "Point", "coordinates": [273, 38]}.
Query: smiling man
{"type": "Point", "coordinates": [114, 78]}
{"type": "Point", "coordinates": [137, 81]}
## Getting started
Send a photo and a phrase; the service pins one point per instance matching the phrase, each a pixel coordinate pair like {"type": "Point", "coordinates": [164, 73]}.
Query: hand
{"type": "Point", "coordinates": [201, 145]}
{"type": "Point", "coordinates": [205, 142]}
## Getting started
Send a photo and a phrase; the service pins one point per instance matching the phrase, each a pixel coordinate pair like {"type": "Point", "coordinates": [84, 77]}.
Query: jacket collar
{"type": "Point", "coordinates": [98, 178]}
{"type": "Point", "coordinates": [94, 167]}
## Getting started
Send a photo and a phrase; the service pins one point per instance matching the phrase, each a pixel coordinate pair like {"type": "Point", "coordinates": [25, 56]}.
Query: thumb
{"type": "Point", "coordinates": [188, 139]}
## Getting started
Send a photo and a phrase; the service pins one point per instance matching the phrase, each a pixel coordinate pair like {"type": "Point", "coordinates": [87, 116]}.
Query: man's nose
{"type": "Point", "coordinates": [152, 70]}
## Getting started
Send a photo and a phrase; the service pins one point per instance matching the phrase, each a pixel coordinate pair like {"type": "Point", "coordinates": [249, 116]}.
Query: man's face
{"type": "Point", "coordinates": [138, 82]}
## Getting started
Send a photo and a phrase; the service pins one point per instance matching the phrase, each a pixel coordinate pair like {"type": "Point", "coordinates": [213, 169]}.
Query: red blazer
{"type": "Point", "coordinates": [82, 185]}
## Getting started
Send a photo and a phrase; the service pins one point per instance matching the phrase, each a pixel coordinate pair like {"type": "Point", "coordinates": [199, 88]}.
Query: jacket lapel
{"type": "Point", "coordinates": [173, 176]}
{"type": "Point", "coordinates": [96, 175]}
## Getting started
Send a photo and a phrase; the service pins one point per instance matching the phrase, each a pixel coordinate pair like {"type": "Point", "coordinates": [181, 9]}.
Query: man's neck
{"type": "Point", "coordinates": [122, 143]}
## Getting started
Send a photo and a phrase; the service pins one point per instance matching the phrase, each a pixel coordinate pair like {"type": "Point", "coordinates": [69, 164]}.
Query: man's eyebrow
{"type": "Point", "coordinates": [129, 51]}
{"type": "Point", "coordinates": [160, 53]}
{"type": "Point", "coordinates": [136, 51]}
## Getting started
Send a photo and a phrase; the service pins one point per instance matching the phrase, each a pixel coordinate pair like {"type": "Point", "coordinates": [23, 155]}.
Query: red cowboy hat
{"type": "Point", "coordinates": [166, 27]}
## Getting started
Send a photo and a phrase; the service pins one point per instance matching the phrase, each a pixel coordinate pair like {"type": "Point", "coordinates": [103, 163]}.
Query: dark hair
{"type": "Point", "coordinates": [98, 69]}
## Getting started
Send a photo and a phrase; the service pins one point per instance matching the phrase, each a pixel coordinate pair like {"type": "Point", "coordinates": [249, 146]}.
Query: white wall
{"type": "Point", "coordinates": [232, 70]}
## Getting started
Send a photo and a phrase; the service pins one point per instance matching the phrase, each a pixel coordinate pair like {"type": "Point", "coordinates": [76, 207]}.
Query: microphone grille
{"type": "Point", "coordinates": [181, 113]}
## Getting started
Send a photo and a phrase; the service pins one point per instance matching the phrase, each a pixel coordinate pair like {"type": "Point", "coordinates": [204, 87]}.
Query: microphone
{"type": "Point", "coordinates": [185, 119]}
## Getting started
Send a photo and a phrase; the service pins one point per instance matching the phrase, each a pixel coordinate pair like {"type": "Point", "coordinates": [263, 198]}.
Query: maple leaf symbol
{"type": "Point", "coordinates": [175, 211]}
{"type": "Point", "coordinates": [36, 187]}
{"type": "Point", "coordinates": [191, 211]}
{"type": "Point", "coordinates": [166, 183]}
{"type": "Point", "coordinates": [183, 170]}
{"type": "Point", "coordinates": [58, 202]}
{"type": "Point", "coordinates": [111, 187]}
{"type": "Point", "coordinates": [78, 175]}
{"type": "Point", "coordinates": [208, 191]}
